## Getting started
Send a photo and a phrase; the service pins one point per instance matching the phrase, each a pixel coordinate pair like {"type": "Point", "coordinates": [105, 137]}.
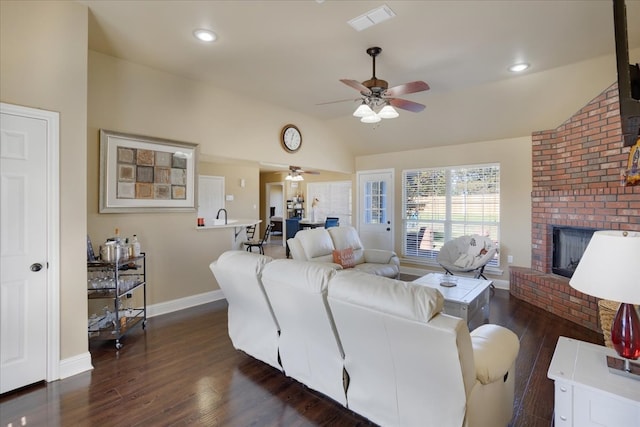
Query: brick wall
{"type": "Point", "coordinates": [576, 182]}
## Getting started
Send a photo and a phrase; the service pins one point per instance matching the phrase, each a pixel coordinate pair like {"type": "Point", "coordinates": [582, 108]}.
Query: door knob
{"type": "Point", "coordinates": [35, 266]}
{"type": "Point", "coordinates": [388, 229]}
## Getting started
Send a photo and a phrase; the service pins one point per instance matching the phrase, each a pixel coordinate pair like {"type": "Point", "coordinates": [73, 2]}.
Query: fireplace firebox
{"type": "Point", "coordinates": [569, 243]}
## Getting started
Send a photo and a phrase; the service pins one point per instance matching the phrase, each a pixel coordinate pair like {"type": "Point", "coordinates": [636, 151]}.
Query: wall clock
{"type": "Point", "coordinates": [291, 138]}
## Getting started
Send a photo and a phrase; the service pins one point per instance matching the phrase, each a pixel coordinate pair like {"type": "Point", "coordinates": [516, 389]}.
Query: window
{"type": "Point", "coordinates": [334, 199]}
{"type": "Point", "coordinates": [442, 204]}
{"type": "Point", "coordinates": [375, 203]}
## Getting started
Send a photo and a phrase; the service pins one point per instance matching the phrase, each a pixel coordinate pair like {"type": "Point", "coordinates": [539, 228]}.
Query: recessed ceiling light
{"type": "Point", "coordinates": [517, 68]}
{"type": "Point", "coordinates": [205, 35]}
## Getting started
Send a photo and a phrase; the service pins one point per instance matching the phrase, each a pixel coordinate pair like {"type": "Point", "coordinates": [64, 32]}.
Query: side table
{"type": "Point", "coordinates": [586, 393]}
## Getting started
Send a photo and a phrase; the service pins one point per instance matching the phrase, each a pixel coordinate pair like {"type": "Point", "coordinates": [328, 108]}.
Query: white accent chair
{"type": "Point", "coordinates": [310, 350]}
{"type": "Point", "coordinates": [410, 365]}
{"type": "Point", "coordinates": [318, 244]}
{"type": "Point", "coordinates": [466, 254]}
{"type": "Point", "coordinates": [253, 327]}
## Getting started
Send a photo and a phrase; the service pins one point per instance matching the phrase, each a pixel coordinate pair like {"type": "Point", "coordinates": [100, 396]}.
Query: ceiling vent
{"type": "Point", "coordinates": [371, 18]}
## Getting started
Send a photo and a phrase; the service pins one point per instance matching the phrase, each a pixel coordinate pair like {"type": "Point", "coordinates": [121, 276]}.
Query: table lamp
{"type": "Point", "coordinates": [610, 269]}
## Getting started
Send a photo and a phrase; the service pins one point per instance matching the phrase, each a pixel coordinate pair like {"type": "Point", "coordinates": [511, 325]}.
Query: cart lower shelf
{"type": "Point", "coordinates": [116, 332]}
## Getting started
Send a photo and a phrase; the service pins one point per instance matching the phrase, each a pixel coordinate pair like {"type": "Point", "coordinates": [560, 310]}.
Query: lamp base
{"type": "Point", "coordinates": [624, 367]}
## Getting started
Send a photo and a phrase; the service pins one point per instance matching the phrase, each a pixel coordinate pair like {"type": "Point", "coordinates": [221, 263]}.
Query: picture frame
{"type": "Point", "coordinates": [146, 174]}
{"type": "Point", "coordinates": [632, 173]}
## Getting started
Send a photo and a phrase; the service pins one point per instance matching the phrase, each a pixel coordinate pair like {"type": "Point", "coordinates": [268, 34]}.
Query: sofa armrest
{"type": "Point", "coordinates": [380, 256]}
{"type": "Point", "coordinates": [495, 349]}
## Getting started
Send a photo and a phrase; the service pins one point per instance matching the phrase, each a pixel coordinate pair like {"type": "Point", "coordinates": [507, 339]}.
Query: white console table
{"type": "Point", "coordinates": [586, 393]}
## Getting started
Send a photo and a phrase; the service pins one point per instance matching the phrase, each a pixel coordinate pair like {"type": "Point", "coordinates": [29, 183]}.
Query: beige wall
{"type": "Point", "coordinates": [514, 157]}
{"type": "Point", "coordinates": [43, 64]}
{"type": "Point", "coordinates": [126, 97]}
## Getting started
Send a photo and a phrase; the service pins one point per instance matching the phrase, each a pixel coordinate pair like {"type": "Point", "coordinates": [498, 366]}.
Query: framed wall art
{"type": "Point", "coordinates": [146, 174]}
{"type": "Point", "coordinates": [632, 172]}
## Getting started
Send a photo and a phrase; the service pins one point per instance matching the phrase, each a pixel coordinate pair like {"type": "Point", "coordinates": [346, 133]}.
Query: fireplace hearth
{"type": "Point", "coordinates": [569, 243]}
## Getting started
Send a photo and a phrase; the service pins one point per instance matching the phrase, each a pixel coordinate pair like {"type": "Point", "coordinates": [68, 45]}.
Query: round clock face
{"type": "Point", "coordinates": [291, 138]}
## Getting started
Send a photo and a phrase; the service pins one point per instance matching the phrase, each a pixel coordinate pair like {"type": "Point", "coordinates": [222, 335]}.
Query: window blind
{"type": "Point", "coordinates": [444, 203]}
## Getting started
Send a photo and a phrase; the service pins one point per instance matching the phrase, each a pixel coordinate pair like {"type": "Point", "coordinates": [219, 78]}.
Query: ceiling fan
{"type": "Point", "coordinates": [377, 95]}
{"type": "Point", "coordinates": [295, 173]}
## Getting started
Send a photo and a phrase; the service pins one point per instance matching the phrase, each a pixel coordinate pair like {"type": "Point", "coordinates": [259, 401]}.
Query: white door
{"type": "Point", "coordinates": [210, 197]}
{"type": "Point", "coordinates": [25, 293]}
{"type": "Point", "coordinates": [375, 209]}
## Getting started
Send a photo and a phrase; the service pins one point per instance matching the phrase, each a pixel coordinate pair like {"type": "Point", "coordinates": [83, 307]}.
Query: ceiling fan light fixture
{"type": "Point", "coordinates": [388, 112]}
{"type": "Point", "coordinates": [371, 118]}
{"type": "Point", "coordinates": [294, 176]}
{"type": "Point", "coordinates": [363, 110]}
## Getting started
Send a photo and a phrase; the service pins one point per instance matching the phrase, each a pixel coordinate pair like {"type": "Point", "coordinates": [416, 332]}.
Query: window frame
{"type": "Point", "coordinates": [440, 222]}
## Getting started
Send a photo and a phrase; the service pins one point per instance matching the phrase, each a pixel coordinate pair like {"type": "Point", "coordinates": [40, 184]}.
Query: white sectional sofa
{"type": "Point", "coordinates": [253, 327]}
{"type": "Point", "coordinates": [319, 244]}
{"type": "Point", "coordinates": [379, 346]}
{"type": "Point", "coordinates": [310, 350]}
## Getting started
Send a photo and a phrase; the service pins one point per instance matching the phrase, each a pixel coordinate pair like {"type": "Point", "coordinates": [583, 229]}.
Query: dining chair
{"type": "Point", "coordinates": [250, 231]}
{"type": "Point", "coordinates": [250, 244]}
{"type": "Point", "coordinates": [331, 222]}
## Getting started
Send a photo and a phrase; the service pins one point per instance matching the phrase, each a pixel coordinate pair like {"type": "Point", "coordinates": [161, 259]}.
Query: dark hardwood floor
{"type": "Point", "coordinates": [183, 371]}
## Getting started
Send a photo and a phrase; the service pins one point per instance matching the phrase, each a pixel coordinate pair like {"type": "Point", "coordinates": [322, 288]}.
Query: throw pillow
{"type": "Point", "coordinates": [344, 257]}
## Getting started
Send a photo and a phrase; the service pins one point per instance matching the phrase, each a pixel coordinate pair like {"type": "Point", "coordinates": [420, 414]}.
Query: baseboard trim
{"type": "Point", "coordinates": [75, 365]}
{"type": "Point", "coordinates": [182, 303]}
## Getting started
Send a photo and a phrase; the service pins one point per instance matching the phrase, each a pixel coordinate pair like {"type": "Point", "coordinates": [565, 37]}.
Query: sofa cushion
{"type": "Point", "coordinates": [386, 270]}
{"type": "Point", "coordinates": [310, 277]}
{"type": "Point", "coordinates": [395, 297]}
{"type": "Point", "coordinates": [347, 237]}
{"type": "Point", "coordinates": [316, 243]}
{"type": "Point", "coordinates": [344, 257]}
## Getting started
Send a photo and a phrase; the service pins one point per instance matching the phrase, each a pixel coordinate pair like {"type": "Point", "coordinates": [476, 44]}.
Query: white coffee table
{"type": "Point", "coordinates": [466, 300]}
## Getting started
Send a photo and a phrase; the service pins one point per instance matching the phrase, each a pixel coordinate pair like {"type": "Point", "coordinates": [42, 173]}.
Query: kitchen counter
{"type": "Point", "coordinates": [238, 225]}
{"type": "Point", "coordinates": [231, 223]}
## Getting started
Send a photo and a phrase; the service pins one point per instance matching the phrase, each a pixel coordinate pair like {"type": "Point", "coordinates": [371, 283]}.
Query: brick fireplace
{"type": "Point", "coordinates": [576, 183]}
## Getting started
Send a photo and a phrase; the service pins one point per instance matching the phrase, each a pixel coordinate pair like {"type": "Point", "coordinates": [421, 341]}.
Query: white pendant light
{"type": "Point", "coordinates": [363, 110]}
{"type": "Point", "coordinates": [388, 112]}
{"type": "Point", "coordinates": [371, 118]}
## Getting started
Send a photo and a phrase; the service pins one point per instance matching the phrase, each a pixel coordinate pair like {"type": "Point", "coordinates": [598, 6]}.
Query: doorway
{"type": "Point", "coordinates": [29, 283]}
{"type": "Point", "coordinates": [376, 208]}
{"type": "Point", "coordinates": [275, 209]}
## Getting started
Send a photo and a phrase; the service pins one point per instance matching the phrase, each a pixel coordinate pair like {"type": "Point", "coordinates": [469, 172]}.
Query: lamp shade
{"type": "Point", "coordinates": [388, 112]}
{"type": "Point", "coordinates": [610, 267]}
{"type": "Point", "coordinates": [363, 110]}
{"type": "Point", "coordinates": [371, 118]}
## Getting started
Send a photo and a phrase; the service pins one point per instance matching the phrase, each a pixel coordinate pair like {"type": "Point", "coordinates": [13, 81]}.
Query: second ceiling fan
{"type": "Point", "coordinates": [377, 95]}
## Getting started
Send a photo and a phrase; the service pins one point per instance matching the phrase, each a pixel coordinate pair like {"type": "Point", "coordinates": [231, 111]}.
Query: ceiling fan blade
{"type": "Point", "coordinates": [357, 86]}
{"type": "Point", "coordinates": [406, 105]}
{"type": "Point", "coordinates": [341, 100]}
{"type": "Point", "coordinates": [411, 87]}
{"type": "Point", "coordinates": [298, 169]}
